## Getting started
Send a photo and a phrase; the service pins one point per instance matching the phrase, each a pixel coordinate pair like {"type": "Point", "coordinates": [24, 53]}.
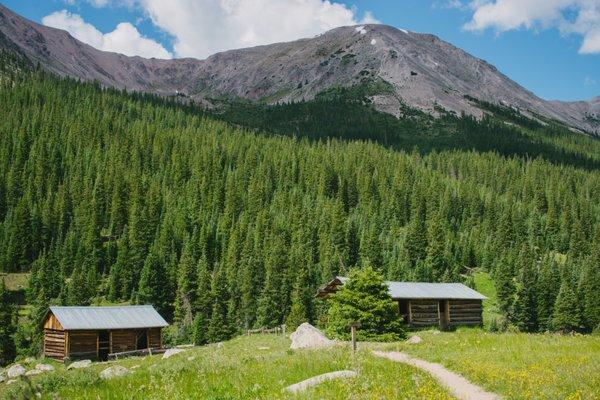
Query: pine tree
{"type": "Point", "coordinates": [547, 287]}
{"type": "Point", "coordinates": [7, 326]}
{"type": "Point", "coordinates": [435, 260]}
{"type": "Point", "coordinates": [505, 287]}
{"type": "Point", "coordinates": [525, 306]}
{"type": "Point", "coordinates": [154, 288]}
{"type": "Point", "coordinates": [218, 327]}
{"type": "Point", "coordinates": [566, 316]}
{"type": "Point", "coordinates": [591, 286]}
{"type": "Point", "coordinates": [364, 298]}
{"type": "Point", "coordinates": [186, 286]}
{"type": "Point", "coordinates": [199, 330]}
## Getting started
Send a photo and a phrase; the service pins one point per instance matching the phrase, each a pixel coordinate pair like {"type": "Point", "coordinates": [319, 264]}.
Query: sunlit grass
{"type": "Point", "coordinates": [257, 367]}
{"type": "Point", "coordinates": [517, 365]}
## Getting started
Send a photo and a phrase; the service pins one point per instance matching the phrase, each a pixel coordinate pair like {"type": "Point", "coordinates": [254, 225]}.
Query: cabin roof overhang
{"type": "Point", "coordinates": [106, 318]}
{"type": "Point", "coordinates": [413, 290]}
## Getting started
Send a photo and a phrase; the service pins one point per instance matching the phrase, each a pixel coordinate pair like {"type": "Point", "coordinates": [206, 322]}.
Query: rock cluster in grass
{"type": "Point", "coordinates": [309, 337]}
{"type": "Point", "coordinates": [15, 370]}
{"type": "Point", "coordinates": [80, 364]}
{"type": "Point", "coordinates": [172, 352]}
{"type": "Point", "coordinates": [114, 372]}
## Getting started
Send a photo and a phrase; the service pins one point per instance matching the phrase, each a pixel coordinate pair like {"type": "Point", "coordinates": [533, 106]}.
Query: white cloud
{"type": "Point", "coordinates": [204, 27]}
{"type": "Point", "coordinates": [125, 39]}
{"type": "Point", "coordinates": [580, 17]}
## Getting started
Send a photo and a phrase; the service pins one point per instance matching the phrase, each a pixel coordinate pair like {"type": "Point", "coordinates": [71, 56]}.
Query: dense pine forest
{"type": "Point", "coordinates": [109, 197]}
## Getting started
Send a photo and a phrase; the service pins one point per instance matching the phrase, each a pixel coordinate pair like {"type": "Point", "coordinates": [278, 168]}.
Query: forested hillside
{"type": "Point", "coordinates": [112, 197]}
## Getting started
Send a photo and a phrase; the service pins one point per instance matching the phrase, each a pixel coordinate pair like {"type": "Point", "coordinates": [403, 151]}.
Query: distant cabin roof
{"type": "Point", "coordinates": [415, 290]}
{"type": "Point", "coordinates": [111, 317]}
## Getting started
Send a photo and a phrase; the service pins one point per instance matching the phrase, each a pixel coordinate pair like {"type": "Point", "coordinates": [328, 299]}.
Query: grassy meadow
{"type": "Point", "coordinates": [514, 365]}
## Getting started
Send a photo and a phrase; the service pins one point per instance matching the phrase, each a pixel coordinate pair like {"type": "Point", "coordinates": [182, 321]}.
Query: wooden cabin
{"type": "Point", "coordinates": [96, 332]}
{"type": "Point", "coordinates": [423, 304]}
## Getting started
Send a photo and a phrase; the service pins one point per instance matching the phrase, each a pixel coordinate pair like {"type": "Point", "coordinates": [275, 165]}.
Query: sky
{"type": "Point", "coordinates": [551, 47]}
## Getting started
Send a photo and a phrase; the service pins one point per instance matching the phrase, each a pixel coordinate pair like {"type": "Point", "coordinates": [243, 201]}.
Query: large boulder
{"type": "Point", "coordinates": [80, 364]}
{"type": "Point", "coordinates": [309, 337]}
{"type": "Point", "coordinates": [15, 370]}
{"type": "Point", "coordinates": [114, 372]}
{"type": "Point", "coordinates": [172, 352]}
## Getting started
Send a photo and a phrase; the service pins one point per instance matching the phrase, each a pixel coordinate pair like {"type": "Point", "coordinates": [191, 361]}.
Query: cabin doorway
{"type": "Point", "coordinates": [142, 340]}
{"type": "Point", "coordinates": [403, 309]}
{"type": "Point", "coordinates": [444, 313]}
{"type": "Point", "coordinates": [103, 345]}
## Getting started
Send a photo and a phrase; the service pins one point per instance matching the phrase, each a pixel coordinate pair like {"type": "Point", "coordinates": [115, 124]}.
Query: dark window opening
{"type": "Point", "coordinates": [142, 340]}
{"type": "Point", "coordinates": [103, 345]}
{"type": "Point", "coordinates": [403, 309]}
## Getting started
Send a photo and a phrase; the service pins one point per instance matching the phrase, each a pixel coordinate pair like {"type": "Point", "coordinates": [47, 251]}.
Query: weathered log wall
{"type": "Point", "coordinates": [466, 312]}
{"type": "Point", "coordinates": [424, 313]}
{"type": "Point", "coordinates": [154, 338]}
{"type": "Point", "coordinates": [83, 344]}
{"type": "Point", "coordinates": [55, 344]}
{"type": "Point", "coordinates": [123, 340]}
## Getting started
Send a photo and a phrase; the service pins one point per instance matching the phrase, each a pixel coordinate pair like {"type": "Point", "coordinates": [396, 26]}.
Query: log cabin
{"type": "Point", "coordinates": [422, 304]}
{"type": "Point", "coordinates": [96, 332]}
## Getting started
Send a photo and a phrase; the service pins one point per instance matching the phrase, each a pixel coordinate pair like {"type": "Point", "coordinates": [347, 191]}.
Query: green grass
{"type": "Point", "coordinates": [15, 281]}
{"type": "Point", "coordinates": [241, 370]}
{"type": "Point", "coordinates": [514, 365]}
{"type": "Point", "coordinates": [485, 285]}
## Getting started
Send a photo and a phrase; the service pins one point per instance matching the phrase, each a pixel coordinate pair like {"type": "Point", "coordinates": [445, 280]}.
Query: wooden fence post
{"type": "Point", "coordinates": [353, 326]}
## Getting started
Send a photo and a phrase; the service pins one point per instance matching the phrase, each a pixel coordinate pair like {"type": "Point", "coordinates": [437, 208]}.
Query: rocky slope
{"type": "Point", "coordinates": [421, 71]}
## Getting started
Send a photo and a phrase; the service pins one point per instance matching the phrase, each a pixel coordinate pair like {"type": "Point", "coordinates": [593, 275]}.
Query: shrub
{"type": "Point", "coordinates": [365, 298]}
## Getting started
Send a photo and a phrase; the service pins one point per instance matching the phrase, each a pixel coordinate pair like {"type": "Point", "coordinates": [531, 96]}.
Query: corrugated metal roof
{"type": "Point", "coordinates": [426, 290]}
{"type": "Point", "coordinates": [111, 317]}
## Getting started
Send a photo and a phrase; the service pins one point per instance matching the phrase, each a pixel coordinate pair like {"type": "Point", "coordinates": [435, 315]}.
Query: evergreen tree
{"type": "Point", "coordinates": [566, 316]}
{"type": "Point", "coordinates": [547, 287]}
{"type": "Point", "coordinates": [199, 330]}
{"type": "Point", "coordinates": [525, 306]}
{"type": "Point", "coordinates": [365, 298]}
{"type": "Point", "coordinates": [154, 288]}
{"type": "Point", "coordinates": [186, 286]}
{"type": "Point", "coordinates": [7, 326]}
{"type": "Point", "coordinates": [505, 287]}
{"type": "Point", "coordinates": [591, 286]}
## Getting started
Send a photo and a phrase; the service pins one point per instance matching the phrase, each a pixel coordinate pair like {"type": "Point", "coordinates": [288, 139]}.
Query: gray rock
{"type": "Point", "coordinates": [309, 337]}
{"type": "Point", "coordinates": [32, 372]}
{"type": "Point", "coordinates": [2, 378]}
{"type": "Point", "coordinates": [114, 372]}
{"type": "Point", "coordinates": [15, 370]}
{"type": "Point", "coordinates": [80, 364]}
{"type": "Point", "coordinates": [11, 381]}
{"type": "Point", "coordinates": [301, 386]}
{"type": "Point", "coordinates": [171, 352]}
{"type": "Point", "coordinates": [44, 367]}
{"type": "Point", "coordinates": [414, 339]}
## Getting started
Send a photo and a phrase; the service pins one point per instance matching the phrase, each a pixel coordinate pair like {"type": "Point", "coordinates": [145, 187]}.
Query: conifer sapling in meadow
{"type": "Point", "coordinates": [365, 298]}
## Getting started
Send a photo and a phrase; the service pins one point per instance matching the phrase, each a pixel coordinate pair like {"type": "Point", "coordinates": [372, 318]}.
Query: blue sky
{"type": "Point", "coordinates": [551, 47]}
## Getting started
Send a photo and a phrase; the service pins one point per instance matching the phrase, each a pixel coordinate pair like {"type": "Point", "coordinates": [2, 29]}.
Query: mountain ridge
{"type": "Point", "coordinates": [419, 70]}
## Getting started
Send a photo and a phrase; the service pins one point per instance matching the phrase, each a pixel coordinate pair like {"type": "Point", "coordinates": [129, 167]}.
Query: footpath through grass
{"type": "Point", "coordinates": [517, 366]}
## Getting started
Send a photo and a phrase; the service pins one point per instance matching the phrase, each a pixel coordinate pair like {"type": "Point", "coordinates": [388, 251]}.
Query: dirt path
{"type": "Point", "coordinates": [458, 386]}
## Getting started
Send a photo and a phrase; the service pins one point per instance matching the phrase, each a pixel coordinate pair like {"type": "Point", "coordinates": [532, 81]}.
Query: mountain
{"type": "Point", "coordinates": [418, 70]}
